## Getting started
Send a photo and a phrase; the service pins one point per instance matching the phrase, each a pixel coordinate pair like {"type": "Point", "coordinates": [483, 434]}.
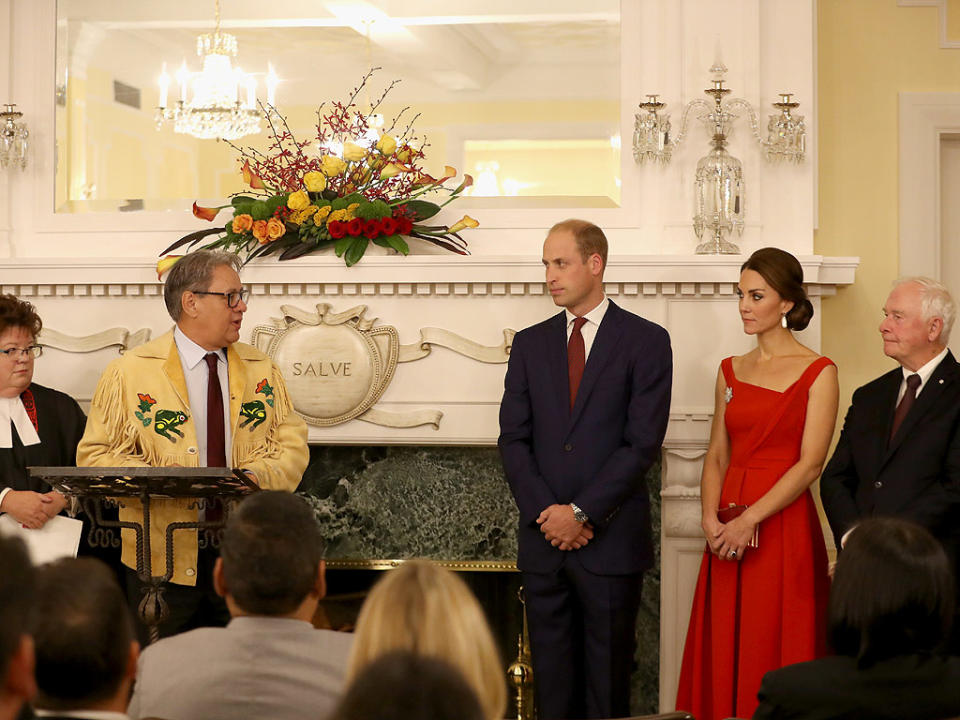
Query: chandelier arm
{"type": "Point", "coordinates": [744, 105]}
{"type": "Point", "coordinates": [684, 119]}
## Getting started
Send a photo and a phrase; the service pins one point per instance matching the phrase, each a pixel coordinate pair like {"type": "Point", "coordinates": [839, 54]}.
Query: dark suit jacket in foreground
{"type": "Point", "coordinates": [912, 687]}
{"type": "Point", "coordinates": [914, 477]}
{"type": "Point", "coordinates": [595, 456]}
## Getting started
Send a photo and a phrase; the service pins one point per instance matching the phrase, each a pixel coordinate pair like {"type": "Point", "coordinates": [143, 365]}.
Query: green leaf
{"type": "Point", "coordinates": [192, 238]}
{"type": "Point", "coordinates": [260, 210]}
{"type": "Point", "coordinates": [342, 244]}
{"type": "Point", "coordinates": [295, 251]}
{"type": "Point", "coordinates": [422, 209]}
{"type": "Point", "coordinates": [356, 250]}
{"type": "Point", "coordinates": [241, 200]}
{"type": "Point", "coordinates": [398, 244]}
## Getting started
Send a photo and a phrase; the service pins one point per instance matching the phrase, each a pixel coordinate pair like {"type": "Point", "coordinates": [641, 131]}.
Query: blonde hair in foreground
{"type": "Point", "coordinates": [428, 610]}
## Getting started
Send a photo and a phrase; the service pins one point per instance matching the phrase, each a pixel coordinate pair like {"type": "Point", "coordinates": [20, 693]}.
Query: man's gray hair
{"type": "Point", "coordinates": [194, 272]}
{"type": "Point", "coordinates": [935, 301]}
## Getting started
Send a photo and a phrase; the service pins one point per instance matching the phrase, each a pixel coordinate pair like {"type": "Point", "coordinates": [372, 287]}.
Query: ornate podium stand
{"type": "Point", "coordinates": [97, 487]}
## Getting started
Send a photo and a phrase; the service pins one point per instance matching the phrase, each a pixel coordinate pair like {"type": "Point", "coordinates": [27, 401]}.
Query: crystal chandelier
{"type": "Point", "coordinates": [719, 189]}
{"type": "Point", "coordinates": [13, 139]}
{"type": "Point", "coordinates": [224, 100]}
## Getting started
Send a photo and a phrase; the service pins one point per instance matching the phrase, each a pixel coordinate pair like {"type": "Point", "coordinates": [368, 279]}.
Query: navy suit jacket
{"type": "Point", "coordinates": [916, 476]}
{"type": "Point", "coordinates": [595, 455]}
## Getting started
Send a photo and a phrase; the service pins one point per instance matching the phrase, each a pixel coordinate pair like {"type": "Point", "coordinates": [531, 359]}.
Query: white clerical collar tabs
{"type": "Point", "coordinates": [14, 415]}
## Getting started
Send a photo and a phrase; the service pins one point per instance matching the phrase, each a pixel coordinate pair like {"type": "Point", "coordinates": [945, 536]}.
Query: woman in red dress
{"type": "Point", "coordinates": [761, 596]}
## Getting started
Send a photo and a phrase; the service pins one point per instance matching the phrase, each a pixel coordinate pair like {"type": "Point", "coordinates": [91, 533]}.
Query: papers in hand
{"type": "Point", "coordinates": [58, 538]}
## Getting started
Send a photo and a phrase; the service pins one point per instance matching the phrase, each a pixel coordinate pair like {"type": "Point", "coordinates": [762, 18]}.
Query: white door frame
{"type": "Point", "coordinates": [924, 119]}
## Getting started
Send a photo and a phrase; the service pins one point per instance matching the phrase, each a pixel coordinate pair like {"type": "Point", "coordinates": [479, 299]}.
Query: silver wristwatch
{"type": "Point", "coordinates": [579, 515]}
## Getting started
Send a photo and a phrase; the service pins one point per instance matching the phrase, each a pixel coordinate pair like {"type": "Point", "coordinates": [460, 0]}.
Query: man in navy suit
{"type": "Point", "coordinates": [584, 412]}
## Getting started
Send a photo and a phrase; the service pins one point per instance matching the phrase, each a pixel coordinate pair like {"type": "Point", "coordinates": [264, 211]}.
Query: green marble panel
{"type": "Point", "coordinates": [443, 503]}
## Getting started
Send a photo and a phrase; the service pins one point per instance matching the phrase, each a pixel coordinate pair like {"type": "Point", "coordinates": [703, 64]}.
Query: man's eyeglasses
{"type": "Point", "coordinates": [233, 297]}
{"type": "Point", "coordinates": [27, 352]}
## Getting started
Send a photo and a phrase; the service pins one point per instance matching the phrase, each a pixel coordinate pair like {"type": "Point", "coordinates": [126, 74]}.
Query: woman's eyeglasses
{"type": "Point", "coordinates": [27, 352]}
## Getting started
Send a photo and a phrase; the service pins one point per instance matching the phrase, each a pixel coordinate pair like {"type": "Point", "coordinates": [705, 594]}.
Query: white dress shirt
{"type": "Point", "coordinates": [82, 714]}
{"type": "Point", "coordinates": [196, 373]}
{"type": "Point", "coordinates": [590, 327]}
{"type": "Point", "coordinates": [924, 372]}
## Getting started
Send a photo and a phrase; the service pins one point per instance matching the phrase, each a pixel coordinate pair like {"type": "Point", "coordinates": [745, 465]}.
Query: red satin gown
{"type": "Point", "coordinates": [769, 609]}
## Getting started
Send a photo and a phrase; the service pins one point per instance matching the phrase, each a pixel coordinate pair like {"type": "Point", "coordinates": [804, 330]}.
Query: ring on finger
{"type": "Point", "coordinates": [732, 553]}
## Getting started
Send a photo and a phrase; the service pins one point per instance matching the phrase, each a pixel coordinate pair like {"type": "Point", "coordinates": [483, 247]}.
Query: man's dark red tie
{"type": "Point", "coordinates": [906, 402]}
{"type": "Point", "coordinates": [216, 451]}
{"type": "Point", "coordinates": [576, 358]}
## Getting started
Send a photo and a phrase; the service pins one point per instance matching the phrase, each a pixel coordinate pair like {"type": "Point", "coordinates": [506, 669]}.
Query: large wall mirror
{"type": "Point", "coordinates": [522, 94]}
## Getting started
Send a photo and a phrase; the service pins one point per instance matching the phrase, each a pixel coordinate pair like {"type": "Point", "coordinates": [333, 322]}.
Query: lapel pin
{"type": "Point", "coordinates": [940, 381]}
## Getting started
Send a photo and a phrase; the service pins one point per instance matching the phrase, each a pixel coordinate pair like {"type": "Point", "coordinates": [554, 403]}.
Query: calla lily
{"type": "Point", "coordinates": [250, 178]}
{"type": "Point", "coordinates": [166, 263]}
{"type": "Point", "coordinates": [465, 222]}
{"type": "Point", "coordinates": [205, 213]}
{"type": "Point", "coordinates": [467, 182]}
{"type": "Point", "coordinates": [391, 170]}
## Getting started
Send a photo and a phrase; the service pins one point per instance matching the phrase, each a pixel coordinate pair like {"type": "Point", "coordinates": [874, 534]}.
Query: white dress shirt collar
{"type": "Point", "coordinates": [82, 714]}
{"type": "Point", "coordinates": [594, 316]}
{"type": "Point", "coordinates": [191, 353]}
{"type": "Point", "coordinates": [924, 372]}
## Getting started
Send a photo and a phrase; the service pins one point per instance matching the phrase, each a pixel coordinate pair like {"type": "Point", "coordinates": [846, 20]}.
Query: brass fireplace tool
{"type": "Point", "coordinates": [520, 671]}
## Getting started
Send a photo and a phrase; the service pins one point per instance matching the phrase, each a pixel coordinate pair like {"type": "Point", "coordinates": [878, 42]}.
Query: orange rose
{"type": "Point", "coordinates": [242, 223]}
{"type": "Point", "coordinates": [260, 231]}
{"type": "Point", "coordinates": [275, 229]}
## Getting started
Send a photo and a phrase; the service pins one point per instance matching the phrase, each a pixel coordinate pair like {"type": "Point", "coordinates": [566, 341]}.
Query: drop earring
{"type": "Point", "coordinates": [783, 321]}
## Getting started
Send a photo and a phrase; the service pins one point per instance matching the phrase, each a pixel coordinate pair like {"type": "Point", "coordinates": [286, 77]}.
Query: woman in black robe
{"type": "Point", "coordinates": [38, 425]}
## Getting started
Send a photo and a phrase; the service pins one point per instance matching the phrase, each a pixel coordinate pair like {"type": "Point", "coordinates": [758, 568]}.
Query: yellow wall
{"type": "Point", "coordinates": [869, 51]}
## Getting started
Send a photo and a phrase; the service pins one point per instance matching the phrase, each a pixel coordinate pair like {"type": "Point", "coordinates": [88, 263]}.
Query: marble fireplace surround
{"type": "Point", "coordinates": [95, 307]}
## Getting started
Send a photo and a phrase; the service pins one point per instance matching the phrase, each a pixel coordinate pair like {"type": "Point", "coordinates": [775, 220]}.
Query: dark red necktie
{"type": "Point", "coordinates": [216, 452]}
{"type": "Point", "coordinates": [576, 358]}
{"type": "Point", "coordinates": [906, 402]}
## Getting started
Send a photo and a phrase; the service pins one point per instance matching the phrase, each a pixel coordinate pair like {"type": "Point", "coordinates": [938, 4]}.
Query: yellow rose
{"type": "Point", "coordinates": [353, 152]}
{"type": "Point", "coordinates": [298, 200]}
{"type": "Point", "coordinates": [331, 165]}
{"type": "Point", "coordinates": [307, 212]}
{"type": "Point", "coordinates": [391, 170]}
{"type": "Point", "coordinates": [320, 216]}
{"type": "Point", "coordinates": [260, 231]}
{"type": "Point", "coordinates": [465, 222]}
{"type": "Point", "coordinates": [387, 145]}
{"type": "Point", "coordinates": [275, 229]}
{"type": "Point", "coordinates": [314, 181]}
{"type": "Point", "coordinates": [352, 208]}
{"type": "Point", "coordinates": [337, 215]}
{"type": "Point", "coordinates": [242, 223]}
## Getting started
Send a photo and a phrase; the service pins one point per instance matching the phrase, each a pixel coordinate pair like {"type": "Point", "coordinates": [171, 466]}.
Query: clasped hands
{"type": "Point", "coordinates": [561, 529]}
{"type": "Point", "coordinates": [33, 509]}
{"type": "Point", "coordinates": [728, 541]}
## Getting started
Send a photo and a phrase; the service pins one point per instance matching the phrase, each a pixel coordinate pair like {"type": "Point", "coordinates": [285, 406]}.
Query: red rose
{"type": "Point", "coordinates": [371, 229]}
{"type": "Point", "coordinates": [337, 229]}
{"type": "Point", "coordinates": [388, 226]}
{"type": "Point", "coordinates": [355, 227]}
{"type": "Point", "coordinates": [404, 225]}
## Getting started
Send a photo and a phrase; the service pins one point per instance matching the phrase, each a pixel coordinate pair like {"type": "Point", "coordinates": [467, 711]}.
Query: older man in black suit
{"type": "Point", "coordinates": [899, 452]}
{"type": "Point", "coordinates": [584, 412]}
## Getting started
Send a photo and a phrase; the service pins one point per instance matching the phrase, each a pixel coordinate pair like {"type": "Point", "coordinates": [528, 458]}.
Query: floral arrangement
{"type": "Point", "coordinates": [348, 196]}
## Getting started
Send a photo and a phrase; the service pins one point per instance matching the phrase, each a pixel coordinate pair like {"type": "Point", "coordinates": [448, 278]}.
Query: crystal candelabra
{"type": "Point", "coordinates": [719, 189]}
{"type": "Point", "coordinates": [13, 139]}
{"type": "Point", "coordinates": [224, 102]}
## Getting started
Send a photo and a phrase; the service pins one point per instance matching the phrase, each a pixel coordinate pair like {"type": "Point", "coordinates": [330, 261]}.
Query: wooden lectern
{"type": "Point", "coordinates": [95, 487]}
